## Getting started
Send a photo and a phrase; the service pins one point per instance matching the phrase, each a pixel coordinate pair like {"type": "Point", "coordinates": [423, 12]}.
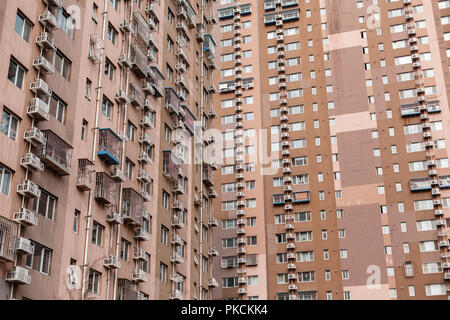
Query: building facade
{"type": "Point", "coordinates": [348, 198]}
{"type": "Point", "coordinates": [100, 198]}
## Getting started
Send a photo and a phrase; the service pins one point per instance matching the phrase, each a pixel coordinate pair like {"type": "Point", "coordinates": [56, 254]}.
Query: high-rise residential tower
{"type": "Point", "coordinates": [349, 197]}
{"type": "Point", "coordinates": [99, 198]}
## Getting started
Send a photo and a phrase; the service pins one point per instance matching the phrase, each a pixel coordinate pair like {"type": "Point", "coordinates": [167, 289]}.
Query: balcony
{"type": "Point", "coordinates": [139, 276]}
{"type": "Point", "coordinates": [132, 207]}
{"type": "Point", "coordinates": [141, 29]}
{"type": "Point", "coordinates": [105, 189]}
{"type": "Point", "coordinates": [277, 199]}
{"type": "Point", "coordinates": [139, 61]}
{"type": "Point", "coordinates": [172, 101]}
{"type": "Point", "coordinates": [31, 162]}
{"type": "Point", "coordinates": [56, 154]}
{"type": "Point", "coordinates": [18, 275]}
{"type": "Point", "coordinates": [38, 109]}
{"type": "Point", "coordinates": [48, 20]}
{"type": "Point", "coordinates": [420, 184]}
{"type": "Point", "coordinates": [41, 88]}
{"type": "Point", "coordinates": [29, 189]}
{"type": "Point", "coordinates": [26, 217]}
{"type": "Point", "coordinates": [170, 168]}
{"type": "Point", "coordinates": [43, 65]}
{"type": "Point", "coordinates": [112, 262]}
{"type": "Point", "coordinates": [209, 46]}
{"type": "Point", "coordinates": [302, 196]}
{"type": "Point", "coordinates": [208, 175]}
{"type": "Point", "coordinates": [109, 146]}
{"type": "Point", "coordinates": [137, 97]}
{"type": "Point", "coordinates": [434, 106]}
{"type": "Point", "coordinates": [141, 235]}
{"type": "Point", "coordinates": [85, 176]}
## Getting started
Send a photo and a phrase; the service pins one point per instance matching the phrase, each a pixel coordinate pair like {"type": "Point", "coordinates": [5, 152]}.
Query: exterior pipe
{"type": "Point", "coordinates": [94, 147]}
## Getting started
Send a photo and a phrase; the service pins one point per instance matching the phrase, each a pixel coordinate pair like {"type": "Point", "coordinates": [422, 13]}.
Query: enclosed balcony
{"type": "Point", "coordinates": [420, 184]}
{"type": "Point", "coordinates": [172, 100]}
{"type": "Point", "coordinates": [189, 119]}
{"type": "Point", "coordinates": [434, 106]}
{"type": "Point", "coordinates": [245, 9]}
{"type": "Point", "coordinates": [290, 15]}
{"type": "Point", "coordinates": [8, 232]}
{"type": "Point", "coordinates": [408, 110]}
{"type": "Point", "coordinates": [170, 168]}
{"type": "Point", "coordinates": [289, 3]}
{"type": "Point", "coordinates": [85, 176]}
{"type": "Point", "coordinates": [139, 61]}
{"type": "Point", "coordinates": [126, 290]}
{"type": "Point", "coordinates": [278, 199]}
{"type": "Point", "coordinates": [132, 207]}
{"type": "Point", "coordinates": [157, 80]}
{"type": "Point", "coordinates": [270, 18]}
{"type": "Point", "coordinates": [141, 30]}
{"type": "Point", "coordinates": [208, 175]}
{"type": "Point", "coordinates": [209, 45]}
{"type": "Point", "coordinates": [226, 13]}
{"type": "Point", "coordinates": [302, 196]}
{"type": "Point", "coordinates": [136, 96]}
{"type": "Point", "coordinates": [109, 146]}
{"type": "Point", "coordinates": [105, 189]}
{"type": "Point", "coordinates": [444, 182]}
{"type": "Point", "coordinates": [56, 154]}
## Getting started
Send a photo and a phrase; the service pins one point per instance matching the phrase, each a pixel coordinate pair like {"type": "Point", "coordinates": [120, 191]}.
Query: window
{"type": "Point", "coordinates": [165, 199]}
{"type": "Point", "coordinates": [40, 260]}
{"type": "Point", "coordinates": [23, 27]}
{"type": "Point", "coordinates": [163, 272]}
{"type": "Point", "coordinates": [112, 33]}
{"type": "Point", "coordinates": [95, 13]}
{"type": "Point", "coordinates": [16, 73]}
{"type": "Point", "coordinates": [9, 124]}
{"type": "Point", "coordinates": [62, 64]}
{"type": "Point", "coordinates": [66, 23]}
{"type": "Point", "coordinates": [45, 205]}
{"type": "Point", "coordinates": [94, 281]}
{"type": "Point", "coordinates": [109, 70]}
{"type": "Point", "coordinates": [124, 249]}
{"type": "Point", "coordinates": [97, 234]}
{"type": "Point", "coordinates": [435, 289]}
{"type": "Point", "coordinates": [107, 108]}
{"type": "Point", "coordinates": [76, 221]}
{"type": "Point", "coordinates": [115, 4]}
{"type": "Point", "coordinates": [131, 132]}
{"type": "Point", "coordinates": [58, 108]}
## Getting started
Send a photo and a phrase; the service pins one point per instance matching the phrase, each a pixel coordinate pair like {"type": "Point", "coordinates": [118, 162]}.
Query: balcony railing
{"type": "Point", "coordinates": [109, 146]}
{"type": "Point", "coordinates": [132, 207]}
{"type": "Point", "coordinates": [302, 196]}
{"type": "Point", "coordinates": [141, 29]}
{"type": "Point", "coordinates": [139, 61]}
{"type": "Point", "coordinates": [172, 100]}
{"type": "Point", "coordinates": [105, 189]}
{"type": "Point", "coordinates": [420, 184]}
{"type": "Point", "coordinates": [170, 168]}
{"type": "Point", "coordinates": [208, 175]}
{"type": "Point", "coordinates": [8, 232]}
{"type": "Point", "coordinates": [209, 45]}
{"type": "Point", "coordinates": [136, 96]}
{"type": "Point", "coordinates": [56, 154]}
{"type": "Point", "coordinates": [85, 176]}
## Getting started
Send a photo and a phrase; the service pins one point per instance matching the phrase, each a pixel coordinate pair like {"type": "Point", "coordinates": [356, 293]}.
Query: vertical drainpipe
{"type": "Point", "coordinates": [122, 160]}
{"type": "Point", "coordinates": [94, 147]}
{"type": "Point", "coordinates": [202, 107]}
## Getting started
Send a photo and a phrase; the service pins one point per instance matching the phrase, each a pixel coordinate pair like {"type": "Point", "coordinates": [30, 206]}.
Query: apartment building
{"type": "Point", "coordinates": [348, 198]}
{"type": "Point", "coordinates": [99, 197]}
